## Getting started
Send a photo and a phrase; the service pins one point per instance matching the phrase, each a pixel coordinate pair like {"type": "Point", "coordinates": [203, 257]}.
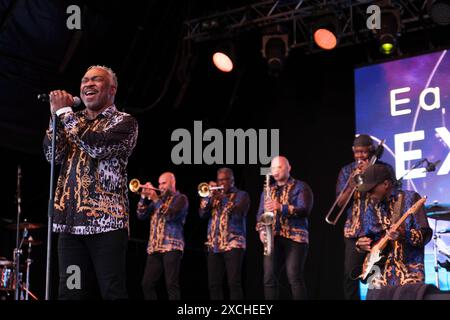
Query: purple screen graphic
{"type": "Point", "coordinates": [406, 102]}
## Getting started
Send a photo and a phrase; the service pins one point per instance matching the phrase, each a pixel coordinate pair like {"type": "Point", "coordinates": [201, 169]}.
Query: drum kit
{"type": "Point", "coordinates": [439, 212]}
{"type": "Point", "coordinates": [11, 272]}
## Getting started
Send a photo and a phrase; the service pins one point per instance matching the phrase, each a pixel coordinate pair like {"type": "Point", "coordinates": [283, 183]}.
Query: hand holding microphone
{"type": "Point", "coordinates": [59, 99]}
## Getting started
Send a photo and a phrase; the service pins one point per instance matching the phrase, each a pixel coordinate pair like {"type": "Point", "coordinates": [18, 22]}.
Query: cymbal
{"type": "Point", "coordinates": [4, 262]}
{"type": "Point", "coordinates": [439, 215]}
{"type": "Point", "coordinates": [33, 242]}
{"type": "Point", "coordinates": [437, 206]}
{"type": "Point", "coordinates": [438, 211]}
{"type": "Point", "coordinates": [4, 220]}
{"type": "Point", "coordinates": [23, 225]}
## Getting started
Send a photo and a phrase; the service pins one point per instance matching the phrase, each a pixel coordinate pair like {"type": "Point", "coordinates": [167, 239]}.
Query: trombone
{"type": "Point", "coordinates": [135, 185]}
{"type": "Point", "coordinates": [205, 190]}
{"type": "Point", "coordinates": [377, 154]}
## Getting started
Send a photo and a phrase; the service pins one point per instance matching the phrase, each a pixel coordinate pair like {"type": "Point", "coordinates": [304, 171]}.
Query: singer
{"type": "Point", "coordinates": [91, 200]}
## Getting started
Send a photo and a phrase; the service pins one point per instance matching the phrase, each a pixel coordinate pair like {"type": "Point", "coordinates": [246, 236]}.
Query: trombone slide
{"type": "Point", "coordinates": [328, 218]}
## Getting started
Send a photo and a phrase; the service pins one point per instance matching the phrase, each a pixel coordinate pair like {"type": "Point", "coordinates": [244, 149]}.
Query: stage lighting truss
{"type": "Point", "coordinates": [299, 16]}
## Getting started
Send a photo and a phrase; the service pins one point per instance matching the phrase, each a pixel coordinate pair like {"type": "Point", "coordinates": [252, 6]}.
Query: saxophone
{"type": "Point", "coordinates": [267, 220]}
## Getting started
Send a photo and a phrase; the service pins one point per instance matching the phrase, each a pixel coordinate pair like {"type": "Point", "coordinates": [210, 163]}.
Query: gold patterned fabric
{"type": "Point", "coordinates": [296, 199]}
{"type": "Point", "coordinates": [167, 217]}
{"type": "Point", "coordinates": [227, 220]}
{"type": "Point", "coordinates": [358, 202]}
{"type": "Point", "coordinates": [91, 193]}
{"type": "Point", "coordinates": [404, 263]}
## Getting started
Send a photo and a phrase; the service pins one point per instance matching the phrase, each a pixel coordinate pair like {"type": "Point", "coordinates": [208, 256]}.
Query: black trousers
{"type": "Point", "coordinates": [80, 257]}
{"type": "Point", "coordinates": [218, 263]}
{"type": "Point", "coordinates": [291, 255]}
{"type": "Point", "coordinates": [157, 263]}
{"type": "Point", "coordinates": [353, 262]}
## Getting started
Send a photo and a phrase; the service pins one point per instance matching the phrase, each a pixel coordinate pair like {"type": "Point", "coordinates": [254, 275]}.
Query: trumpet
{"type": "Point", "coordinates": [357, 178]}
{"type": "Point", "coordinates": [204, 189]}
{"type": "Point", "coordinates": [135, 185]}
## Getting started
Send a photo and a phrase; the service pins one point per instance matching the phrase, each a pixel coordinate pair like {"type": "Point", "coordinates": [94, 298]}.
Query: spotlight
{"type": "Point", "coordinates": [387, 43]}
{"type": "Point", "coordinates": [439, 10]}
{"type": "Point", "coordinates": [222, 61]}
{"type": "Point", "coordinates": [325, 39]}
{"type": "Point", "coordinates": [275, 50]}
{"type": "Point", "coordinates": [324, 31]}
{"type": "Point", "coordinates": [390, 30]}
{"type": "Point", "coordinates": [223, 57]}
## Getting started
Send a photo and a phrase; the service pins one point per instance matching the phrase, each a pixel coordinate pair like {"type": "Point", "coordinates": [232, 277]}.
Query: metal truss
{"type": "Point", "coordinates": [298, 17]}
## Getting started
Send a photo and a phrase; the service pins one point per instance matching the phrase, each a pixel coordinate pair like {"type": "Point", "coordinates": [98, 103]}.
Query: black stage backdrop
{"type": "Point", "coordinates": [167, 84]}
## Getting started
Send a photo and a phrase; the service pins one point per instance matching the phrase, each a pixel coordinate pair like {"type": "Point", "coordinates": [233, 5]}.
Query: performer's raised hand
{"type": "Point", "coordinates": [60, 99]}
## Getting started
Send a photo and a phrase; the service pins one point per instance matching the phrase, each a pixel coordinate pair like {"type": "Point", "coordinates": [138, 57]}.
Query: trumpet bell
{"type": "Point", "coordinates": [134, 185]}
{"type": "Point", "coordinates": [203, 190]}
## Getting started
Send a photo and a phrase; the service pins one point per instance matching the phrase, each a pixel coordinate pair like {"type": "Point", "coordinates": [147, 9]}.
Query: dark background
{"type": "Point", "coordinates": [166, 84]}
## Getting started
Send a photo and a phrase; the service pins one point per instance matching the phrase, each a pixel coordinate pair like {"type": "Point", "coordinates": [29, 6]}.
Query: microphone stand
{"type": "Point", "coordinates": [51, 201]}
{"type": "Point", "coordinates": [429, 168]}
{"type": "Point", "coordinates": [17, 251]}
{"type": "Point", "coordinates": [399, 181]}
{"type": "Point", "coordinates": [29, 261]}
{"type": "Point", "coordinates": [19, 275]}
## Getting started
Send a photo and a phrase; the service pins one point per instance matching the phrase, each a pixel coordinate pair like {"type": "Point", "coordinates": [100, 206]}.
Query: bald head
{"type": "Point", "coordinates": [280, 169]}
{"type": "Point", "coordinates": [167, 182]}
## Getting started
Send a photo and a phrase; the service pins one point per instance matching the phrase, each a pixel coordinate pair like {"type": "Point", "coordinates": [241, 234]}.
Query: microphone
{"type": "Point", "coordinates": [44, 97]}
{"type": "Point", "coordinates": [431, 166]}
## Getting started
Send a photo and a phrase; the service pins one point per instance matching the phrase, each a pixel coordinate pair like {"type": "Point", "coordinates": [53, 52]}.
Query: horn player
{"type": "Point", "coordinates": [291, 200]}
{"type": "Point", "coordinates": [226, 211]}
{"type": "Point", "coordinates": [167, 214]}
{"type": "Point", "coordinates": [363, 149]}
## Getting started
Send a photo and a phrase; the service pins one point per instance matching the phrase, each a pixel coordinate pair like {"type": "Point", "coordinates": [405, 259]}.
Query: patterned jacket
{"type": "Point", "coordinates": [167, 217]}
{"type": "Point", "coordinates": [91, 193]}
{"type": "Point", "coordinates": [352, 212]}
{"type": "Point", "coordinates": [227, 220]}
{"type": "Point", "coordinates": [405, 257]}
{"type": "Point", "coordinates": [296, 199]}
